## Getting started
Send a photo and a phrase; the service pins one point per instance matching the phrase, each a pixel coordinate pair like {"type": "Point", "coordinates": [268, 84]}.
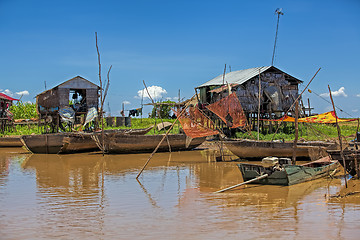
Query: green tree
{"type": "Point", "coordinates": [24, 110]}
{"type": "Point", "coordinates": [165, 110]}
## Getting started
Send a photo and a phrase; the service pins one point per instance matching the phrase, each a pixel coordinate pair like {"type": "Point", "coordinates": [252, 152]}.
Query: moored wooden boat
{"type": "Point", "coordinates": [44, 143]}
{"type": "Point", "coordinates": [259, 149]}
{"type": "Point", "coordinates": [130, 131]}
{"type": "Point", "coordinates": [70, 142]}
{"type": "Point", "coordinates": [352, 158]}
{"type": "Point", "coordinates": [10, 141]}
{"type": "Point", "coordinates": [287, 174]}
{"type": "Point", "coordinates": [120, 143]}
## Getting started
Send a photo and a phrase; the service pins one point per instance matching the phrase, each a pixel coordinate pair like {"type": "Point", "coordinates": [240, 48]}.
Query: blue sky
{"type": "Point", "coordinates": [179, 45]}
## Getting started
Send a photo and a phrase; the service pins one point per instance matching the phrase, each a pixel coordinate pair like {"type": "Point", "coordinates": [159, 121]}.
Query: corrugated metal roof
{"type": "Point", "coordinates": [4, 96]}
{"type": "Point", "coordinates": [237, 77]}
{"type": "Point", "coordinates": [67, 82]}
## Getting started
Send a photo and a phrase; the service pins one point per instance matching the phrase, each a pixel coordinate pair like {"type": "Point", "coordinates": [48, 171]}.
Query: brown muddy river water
{"type": "Point", "coordinates": [88, 196]}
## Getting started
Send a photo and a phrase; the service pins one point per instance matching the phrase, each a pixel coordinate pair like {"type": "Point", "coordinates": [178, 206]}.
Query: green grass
{"type": "Point", "coordinates": [310, 132]}
{"type": "Point", "coordinates": [286, 132]}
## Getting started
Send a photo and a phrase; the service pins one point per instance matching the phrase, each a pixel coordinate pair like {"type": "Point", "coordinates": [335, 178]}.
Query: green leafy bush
{"type": "Point", "coordinates": [24, 110]}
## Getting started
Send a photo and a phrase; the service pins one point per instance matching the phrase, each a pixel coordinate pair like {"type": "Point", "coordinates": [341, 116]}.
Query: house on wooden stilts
{"type": "Point", "coordinates": [78, 93]}
{"type": "Point", "coordinates": [6, 118]}
{"type": "Point", "coordinates": [278, 91]}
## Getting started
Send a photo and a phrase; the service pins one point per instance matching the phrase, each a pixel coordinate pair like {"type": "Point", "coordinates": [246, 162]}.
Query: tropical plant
{"type": "Point", "coordinates": [165, 110]}
{"type": "Point", "coordinates": [22, 110]}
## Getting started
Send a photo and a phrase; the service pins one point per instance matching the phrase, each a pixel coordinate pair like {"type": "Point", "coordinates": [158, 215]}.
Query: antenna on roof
{"type": "Point", "coordinates": [279, 12]}
{"type": "Point", "coordinates": [224, 74]}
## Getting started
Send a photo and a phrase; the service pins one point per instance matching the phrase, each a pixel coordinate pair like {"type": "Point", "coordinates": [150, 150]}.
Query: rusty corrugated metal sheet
{"type": "Point", "coordinates": [237, 77]}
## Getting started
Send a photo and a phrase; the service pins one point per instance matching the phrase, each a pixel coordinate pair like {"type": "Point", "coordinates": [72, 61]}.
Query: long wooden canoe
{"type": "Point", "coordinates": [73, 142]}
{"type": "Point", "coordinates": [120, 143]}
{"type": "Point", "coordinates": [259, 149]}
{"type": "Point", "coordinates": [288, 174]}
{"type": "Point", "coordinates": [10, 142]}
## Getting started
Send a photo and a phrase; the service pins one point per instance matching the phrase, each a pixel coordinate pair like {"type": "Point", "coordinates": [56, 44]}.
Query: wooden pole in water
{"type": "Point", "coordinates": [296, 132]}
{"type": "Point", "coordinates": [243, 183]}
{"type": "Point", "coordinates": [339, 135]}
{"type": "Point", "coordinates": [258, 118]}
{"type": "Point", "coordinates": [157, 147]}
{"type": "Point", "coordinates": [356, 148]}
{"type": "Point", "coordinates": [167, 139]}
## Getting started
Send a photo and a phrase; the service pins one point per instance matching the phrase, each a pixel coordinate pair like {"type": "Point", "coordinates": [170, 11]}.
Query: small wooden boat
{"type": "Point", "coordinates": [287, 174]}
{"type": "Point", "coordinates": [259, 149]}
{"type": "Point", "coordinates": [352, 158]}
{"type": "Point", "coordinates": [10, 141]}
{"type": "Point", "coordinates": [120, 143]}
{"type": "Point", "coordinates": [54, 143]}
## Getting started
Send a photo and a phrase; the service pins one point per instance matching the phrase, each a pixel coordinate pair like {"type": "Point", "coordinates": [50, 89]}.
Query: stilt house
{"type": "Point", "coordinates": [77, 93]}
{"type": "Point", "coordinates": [278, 90]}
{"type": "Point", "coordinates": [5, 115]}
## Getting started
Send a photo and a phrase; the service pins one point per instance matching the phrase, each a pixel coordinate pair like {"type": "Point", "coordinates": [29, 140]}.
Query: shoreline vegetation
{"type": "Point", "coordinates": [307, 131]}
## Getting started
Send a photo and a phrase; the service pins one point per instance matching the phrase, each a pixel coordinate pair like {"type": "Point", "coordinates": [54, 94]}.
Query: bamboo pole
{"type": "Point", "coordinates": [295, 102]}
{"type": "Point", "coordinates": [167, 139]}
{"type": "Point", "coordinates": [356, 148]}
{"type": "Point", "coordinates": [296, 132]}
{"type": "Point", "coordinates": [339, 135]}
{"type": "Point", "coordinates": [243, 183]}
{"type": "Point", "coordinates": [258, 119]}
{"type": "Point", "coordinates": [157, 147]}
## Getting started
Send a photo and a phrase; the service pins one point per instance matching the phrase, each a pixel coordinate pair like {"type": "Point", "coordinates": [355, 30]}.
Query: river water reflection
{"type": "Point", "coordinates": [95, 197]}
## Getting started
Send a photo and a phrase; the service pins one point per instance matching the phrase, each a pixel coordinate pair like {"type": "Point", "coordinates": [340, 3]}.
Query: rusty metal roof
{"type": "Point", "coordinates": [239, 77]}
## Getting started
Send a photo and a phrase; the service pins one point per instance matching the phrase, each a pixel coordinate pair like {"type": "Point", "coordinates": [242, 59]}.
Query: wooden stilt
{"type": "Point", "coordinates": [339, 135]}
{"type": "Point", "coordinates": [296, 132]}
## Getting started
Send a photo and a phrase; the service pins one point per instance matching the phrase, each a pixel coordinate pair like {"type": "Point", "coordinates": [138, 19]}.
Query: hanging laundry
{"type": "Point", "coordinates": [135, 112]}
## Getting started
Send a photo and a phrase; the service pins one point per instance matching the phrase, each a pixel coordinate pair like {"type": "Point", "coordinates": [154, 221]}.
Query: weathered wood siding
{"type": "Point", "coordinates": [47, 100]}
{"type": "Point", "coordinates": [277, 92]}
{"type": "Point", "coordinates": [63, 97]}
{"type": "Point", "coordinates": [92, 99]}
{"type": "Point", "coordinates": [78, 83]}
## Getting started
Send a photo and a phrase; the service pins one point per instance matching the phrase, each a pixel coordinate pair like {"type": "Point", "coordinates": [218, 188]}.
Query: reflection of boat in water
{"type": "Point", "coordinates": [120, 143]}
{"type": "Point", "coordinates": [271, 197]}
{"type": "Point", "coordinates": [259, 149]}
{"type": "Point", "coordinates": [11, 141]}
{"type": "Point", "coordinates": [287, 174]}
{"type": "Point", "coordinates": [55, 143]}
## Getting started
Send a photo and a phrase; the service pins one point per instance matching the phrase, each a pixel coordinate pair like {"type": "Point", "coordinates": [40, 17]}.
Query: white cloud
{"type": "Point", "coordinates": [156, 92]}
{"type": "Point", "coordinates": [176, 99]}
{"type": "Point", "coordinates": [338, 93]}
{"type": "Point", "coordinates": [358, 95]}
{"type": "Point", "coordinates": [8, 92]}
{"type": "Point", "coordinates": [126, 102]}
{"type": "Point", "coordinates": [23, 93]}
{"type": "Point", "coordinates": [355, 110]}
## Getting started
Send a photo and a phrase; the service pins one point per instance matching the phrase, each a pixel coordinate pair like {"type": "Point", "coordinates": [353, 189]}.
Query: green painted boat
{"type": "Point", "coordinates": [287, 174]}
